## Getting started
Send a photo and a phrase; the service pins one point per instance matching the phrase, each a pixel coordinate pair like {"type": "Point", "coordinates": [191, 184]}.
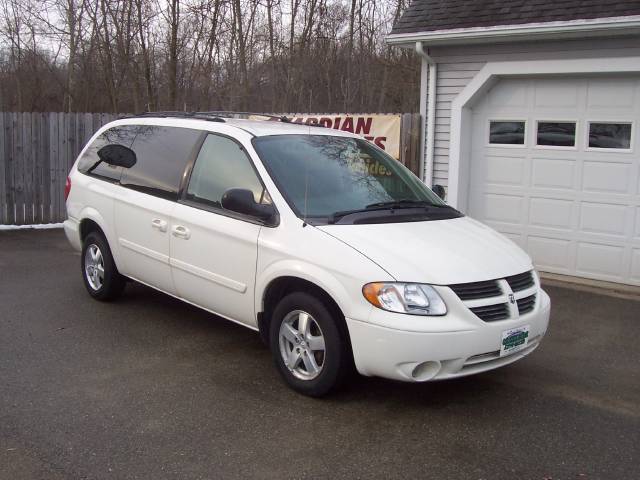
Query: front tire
{"type": "Point", "coordinates": [309, 350]}
{"type": "Point", "coordinates": [99, 273]}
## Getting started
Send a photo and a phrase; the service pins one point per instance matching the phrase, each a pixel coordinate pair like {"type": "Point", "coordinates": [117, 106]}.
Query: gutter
{"type": "Point", "coordinates": [529, 31]}
{"type": "Point", "coordinates": [429, 68]}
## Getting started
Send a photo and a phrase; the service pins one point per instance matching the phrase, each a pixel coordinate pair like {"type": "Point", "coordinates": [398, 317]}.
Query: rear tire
{"type": "Point", "coordinates": [310, 351]}
{"type": "Point", "coordinates": [99, 272]}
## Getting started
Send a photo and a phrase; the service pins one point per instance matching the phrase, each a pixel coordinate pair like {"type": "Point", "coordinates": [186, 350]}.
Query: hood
{"type": "Point", "coordinates": [440, 252]}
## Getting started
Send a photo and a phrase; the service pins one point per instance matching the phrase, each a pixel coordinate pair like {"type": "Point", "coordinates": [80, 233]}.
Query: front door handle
{"type": "Point", "coordinates": [180, 232]}
{"type": "Point", "coordinates": [159, 224]}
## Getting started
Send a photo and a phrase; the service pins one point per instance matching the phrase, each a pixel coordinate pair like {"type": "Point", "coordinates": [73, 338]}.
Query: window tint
{"type": "Point", "coordinates": [506, 133]}
{"type": "Point", "coordinates": [162, 154]}
{"type": "Point", "coordinates": [90, 163]}
{"type": "Point", "coordinates": [222, 164]}
{"type": "Point", "coordinates": [610, 135]}
{"type": "Point", "coordinates": [557, 134]}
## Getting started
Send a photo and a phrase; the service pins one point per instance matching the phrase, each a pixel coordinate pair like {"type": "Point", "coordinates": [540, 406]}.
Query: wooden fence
{"type": "Point", "coordinates": [37, 151]}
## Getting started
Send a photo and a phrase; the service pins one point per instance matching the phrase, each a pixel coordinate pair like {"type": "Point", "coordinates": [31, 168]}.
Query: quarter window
{"type": "Point", "coordinates": [90, 163]}
{"type": "Point", "coordinates": [556, 134]}
{"type": "Point", "coordinates": [610, 135]}
{"type": "Point", "coordinates": [222, 164]}
{"type": "Point", "coordinates": [162, 154]}
{"type": "Point", "coordinates": [506, 132]}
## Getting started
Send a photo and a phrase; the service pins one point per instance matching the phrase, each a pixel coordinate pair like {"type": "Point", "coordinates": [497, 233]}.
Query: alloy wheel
{"type": "Point", "coordinates": [94, 267]}
{"type": "Point", "coordinates": [302, 345]}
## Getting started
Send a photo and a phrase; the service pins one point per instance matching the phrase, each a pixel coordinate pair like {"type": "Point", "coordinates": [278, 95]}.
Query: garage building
{"type": "Point", "coordinates": [532, 115]}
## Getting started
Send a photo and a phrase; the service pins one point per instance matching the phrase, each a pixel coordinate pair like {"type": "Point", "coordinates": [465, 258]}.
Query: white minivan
{"type": "Point", "coordinates": [336, 253]}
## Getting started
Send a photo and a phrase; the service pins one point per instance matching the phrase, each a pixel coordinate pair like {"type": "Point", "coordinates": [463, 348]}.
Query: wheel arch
{"type": "Point", "coordinates": [280, 286]}
{"type": "Point", "coordinates": [92, 221]}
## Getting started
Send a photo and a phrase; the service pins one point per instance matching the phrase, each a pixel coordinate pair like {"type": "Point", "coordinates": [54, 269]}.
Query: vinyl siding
{"type": "Point", "coordinates": [458, 65]}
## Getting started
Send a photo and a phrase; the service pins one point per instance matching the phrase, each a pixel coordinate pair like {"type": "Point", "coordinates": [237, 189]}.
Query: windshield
{"type": "Point", "coordinates": [320, 174]}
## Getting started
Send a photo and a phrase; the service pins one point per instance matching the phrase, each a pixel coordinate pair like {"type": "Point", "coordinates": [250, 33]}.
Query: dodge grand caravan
{"type": "Point", "coordinates": [328, 247]}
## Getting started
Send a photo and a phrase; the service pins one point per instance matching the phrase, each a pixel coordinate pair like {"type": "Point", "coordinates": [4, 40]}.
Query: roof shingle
{"type": "Point", "coordinates": [434, 15]}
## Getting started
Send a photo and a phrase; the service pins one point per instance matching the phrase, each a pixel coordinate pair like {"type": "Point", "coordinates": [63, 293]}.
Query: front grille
{"type": "Point", "coordinates": [521, 281]}
{"type": "Point", "coordinates": [474, 290]}
{"type": "Point", "coordinates": [489, 302]}
{"type": "Point", "coordinates": [492, 313]}
{"type": "Point", "coordinates": [526, 304]}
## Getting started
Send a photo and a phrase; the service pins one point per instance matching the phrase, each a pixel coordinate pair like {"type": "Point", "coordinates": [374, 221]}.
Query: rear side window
{"type": "Point", "coordinates": [222, 164]}
{"type": "Point", "coordinates": [90, 164]}
{"type": "Point", "coordinates": [162, 154]}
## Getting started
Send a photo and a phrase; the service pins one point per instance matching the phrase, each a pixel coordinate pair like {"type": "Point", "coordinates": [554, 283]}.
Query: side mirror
{"type": "Point", "coordinates": [117, 155]}
{"type": "Point", "coordinates": [240, 200]}
{"type": "Point", "coordinates": [439, 190]}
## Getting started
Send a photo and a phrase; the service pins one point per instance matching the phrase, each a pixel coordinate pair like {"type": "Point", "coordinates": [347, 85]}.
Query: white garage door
{"type": "Point", "coordinates": [555, 166]}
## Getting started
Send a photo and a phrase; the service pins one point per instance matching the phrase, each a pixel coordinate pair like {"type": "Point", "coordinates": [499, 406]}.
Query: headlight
{"type": "Point", "coordinates": [412, 298]}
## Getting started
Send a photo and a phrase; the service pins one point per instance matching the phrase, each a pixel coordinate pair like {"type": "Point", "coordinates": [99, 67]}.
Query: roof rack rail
{"type": "Point", "coordinates": [212, 116]}
{"type": "Point", "coordinates": [233, 114]}
{"type": "Point", "coordinates": [178, 114]}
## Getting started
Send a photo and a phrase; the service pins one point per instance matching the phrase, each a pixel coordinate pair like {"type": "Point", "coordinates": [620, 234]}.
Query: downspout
{"type": "Point", "coordinates": [428, 69]}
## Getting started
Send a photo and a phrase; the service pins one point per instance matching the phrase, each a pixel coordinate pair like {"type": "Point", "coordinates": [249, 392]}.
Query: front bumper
{"type": "Point", "coordinates": [472, 346]}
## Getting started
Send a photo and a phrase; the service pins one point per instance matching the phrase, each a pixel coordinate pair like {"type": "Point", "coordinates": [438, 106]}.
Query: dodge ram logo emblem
{"type": "Point", "coordinates": [512, 298]}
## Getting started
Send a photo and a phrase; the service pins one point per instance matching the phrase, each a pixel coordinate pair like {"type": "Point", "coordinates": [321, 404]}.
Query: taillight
{"type": "Point", "coordinates": [67, 188]}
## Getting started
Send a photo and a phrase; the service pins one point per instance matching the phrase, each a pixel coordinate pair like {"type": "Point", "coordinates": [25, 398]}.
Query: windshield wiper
{"type": "Point", "coordinates": [397, 204]}
{"type": "Point", "coordinates": [404, 204]}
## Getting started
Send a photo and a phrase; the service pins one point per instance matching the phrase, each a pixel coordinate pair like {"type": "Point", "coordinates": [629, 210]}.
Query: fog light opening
{"type": "Point", "coordinates": [425, 371]}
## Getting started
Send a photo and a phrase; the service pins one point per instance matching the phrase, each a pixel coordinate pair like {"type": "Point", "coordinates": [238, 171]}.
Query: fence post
{"type": "Point", "coordinates": [409, 141]}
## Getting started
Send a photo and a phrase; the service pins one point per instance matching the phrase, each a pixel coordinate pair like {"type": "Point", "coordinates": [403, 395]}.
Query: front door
{"type": "Point", "coordinates": [214, 251]}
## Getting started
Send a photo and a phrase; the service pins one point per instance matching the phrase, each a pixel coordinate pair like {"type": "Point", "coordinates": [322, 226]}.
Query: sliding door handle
{"type": "Point", "coordinates": [159, 224]}
{"type": "Point", "coordinates": [181, 232]}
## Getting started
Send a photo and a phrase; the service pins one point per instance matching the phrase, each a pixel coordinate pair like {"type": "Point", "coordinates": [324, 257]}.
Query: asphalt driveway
{"type": "Point", "coordinates": [149, 387]}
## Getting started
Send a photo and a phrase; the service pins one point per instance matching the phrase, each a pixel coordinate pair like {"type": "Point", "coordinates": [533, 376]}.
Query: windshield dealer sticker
{"type": "Point", "coordinates": [514, 340]}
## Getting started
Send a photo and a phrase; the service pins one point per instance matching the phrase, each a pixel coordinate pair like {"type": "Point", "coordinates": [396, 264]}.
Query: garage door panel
{"type": "Point", "coordinates": [551, 212]}
{"type": "Point", "coordinates": [505, 170]}
{"type": "Point", "coordinates": [601, 96]}
{"type": "Point", "coordinates": [512, 95]}
{"type": "Point", "coordinates": [600, 260]}
{"type": "Point", "coordinates": [553, 173]}
{"type": "Point", "coordinates": [550, 253]}
{"type": "Point", "coordinates": [556, 95]}
{"type": "Point", "coordinates": [606, 177]}
{"type": "Point", "coordinates": [605, 219]}
{"type": "Point", "coordinates": [503, 208]}
{"type": "Point", "coordinates": [637, 224]}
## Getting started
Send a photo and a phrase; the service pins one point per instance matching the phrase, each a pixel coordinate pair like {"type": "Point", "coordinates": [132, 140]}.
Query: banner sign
{"type": "Point", "coordinates": [383, 130]}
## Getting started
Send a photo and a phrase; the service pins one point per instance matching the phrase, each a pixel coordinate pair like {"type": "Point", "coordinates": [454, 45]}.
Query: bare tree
{"type": "Point", "coordinates": [269, 55]}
